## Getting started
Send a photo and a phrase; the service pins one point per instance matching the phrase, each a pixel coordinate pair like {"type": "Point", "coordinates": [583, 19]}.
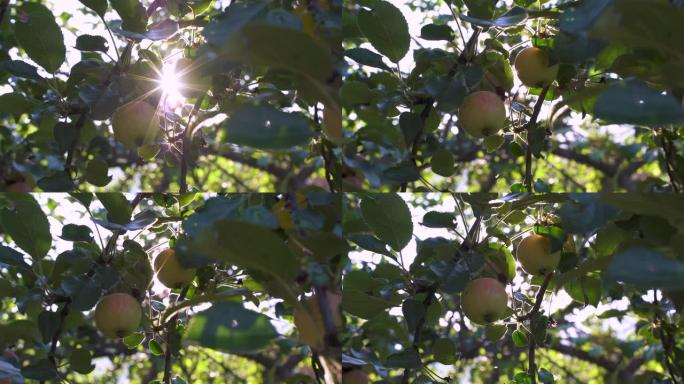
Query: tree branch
{"type": "Point", "coordinates": [170, 338]}
{"type": "Point", "coordinates": [531, 125]}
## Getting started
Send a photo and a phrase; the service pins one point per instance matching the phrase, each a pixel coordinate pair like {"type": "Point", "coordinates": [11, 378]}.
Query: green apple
{"type": "Point", "coordinates": [532, 66]}
{"type": "Point", "coordinates": [118, 315]}
{"type": "Point", "coordinates": [535, 257]}
{"type": "Point", "coordinates": [482, 114]}
{"type": "Point", "coordinates": [135, 124]}
{"type": "Point", "coordinates": [170, 272]}
{"type": "Point", "coordinates": [484, 300]}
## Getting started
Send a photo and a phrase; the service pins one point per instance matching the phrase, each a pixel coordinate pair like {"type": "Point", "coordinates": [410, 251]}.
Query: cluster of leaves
{"type": "Point", "coordinates": [261, 77]}
{"type": "Point", "coordinates": [619, 63]}
{"type": "Point", "coordinates": [248, 251]}
{"type": "Point", "coordinates": [613, 248]}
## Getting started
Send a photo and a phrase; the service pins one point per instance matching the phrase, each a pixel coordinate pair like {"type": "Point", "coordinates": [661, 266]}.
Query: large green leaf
{"type": "Point", "coordinates": [647, 268]}
{"type": "Point", "coordinates": [26, 223]}
{"type": "Point", "coordinates": [386, 29]}
{"type": "Point", "coordinates": [118, 208]}
{"type": "Point", "coordinates": [229, 327]}
{"type": "Point", "coordinates": [389, 218]}
{"type": "Point", "coordinates": [99, 6]}
{"type": "Point", "coordinates": [265, 127]}
{"type": "Point", "coordinates": [39, 35]}
{"type": "Point", "coordinates": [633, 102]}
{"type": "Point", "coordinates": [133, 14]}
{"type": "Point", "coordinates": [363, 305]}
{"type": "Point", "coordinates": [248, 246]}
{"type": "Point", "coordinates": [281, 47]}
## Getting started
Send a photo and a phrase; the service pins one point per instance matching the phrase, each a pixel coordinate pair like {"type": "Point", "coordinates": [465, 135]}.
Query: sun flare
{"type": "Point", "coordinates": [170, 84]}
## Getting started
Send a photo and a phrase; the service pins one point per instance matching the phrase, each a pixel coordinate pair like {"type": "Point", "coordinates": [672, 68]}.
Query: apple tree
{"type": "Point", "coordinates": [169, 95]}
{"type": "Point", "coordinates": [451, 288]}
{"type": "Point", "coordinates": [162, 288]}
{"type": "Point", "coordinates": [511, 96]}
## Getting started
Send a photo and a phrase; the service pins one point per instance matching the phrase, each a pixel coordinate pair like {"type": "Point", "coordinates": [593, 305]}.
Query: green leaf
{"type": "Point", "coordinates": [80, 361]}
{"type": "Point", "coordinates": [248, 246]}
{"type": "Point", "coordinates": [585, 213]}
{"type": "Point", "coordinates": [389, 218]}
{"type": "Point", "coordinates": [545, 376]}
{"type": "Point", "coordinates": [404, 359]}
{"type": "Point", "coordinates": [646, 268]}
{"type": "Point", "coordinates": [519, 338]}
{"type": "Point", "coordinates": [282, 47]}
{"type": "Point", "coordinates": [220, 30]}
{"type": "Point", "coordinates": [20, 69]}
{"type": "Point", "coordinates": [12, 257]}
{"type": "Point", "coordinates": [118, 208]}
{"type": "Point", "coordinates": [363, 305]}
{"type": "Point", "coordinates": [633, 102]}
{"type": "Point", "coordinates": [436, 32]}
{"type": "Point", "coordinates": [482, 9]}
{"type": "Point", "coordinates": [442, 163]}
{"type": "Point", "coordinates": [91, 43]}
{"type": "Point", "coordinates": [155, 348]}
{"type": "Point", "coordinates": [16, 104]}
{"type": "Point", "coordinates": [59, 181]}
{"type": "Point", "coordinates": [98, 6]}
{"type": "Point", "coordinates": [444, 351]}
{"type": "Point", "coordinates": [367, 57]}
{"type": "Point", "coordinates": [355, 92]}
{"type": "Point", "coordinates": [97, 173]}
{"type": "Point", "coordinates": [23, 219]}
{"type": "Point", "coordinates": [133, 14]}
{"type": "Point", "coordinates": [493, 142]}
{"type": "Point", "coordinates": [229, 327]}
{"type": "Point", "coordinates": [39, 35]}
{"type": "Point", "coordinates": [511, 18]}
{"type": "Point", "coordinates": [414, 312]}
{"type": "Point", "coordinates": [133, 340]}
{"type": "Point", "coordinates": [370, 243]}
{"type": "Point", "coordinates": [74, 232]}
{"type": "Point", "coordinates": [386, 29]}
{"type": "Point", "coordinates": [265, 127]}
{"type": "Point", "coordinates": [434, 219]}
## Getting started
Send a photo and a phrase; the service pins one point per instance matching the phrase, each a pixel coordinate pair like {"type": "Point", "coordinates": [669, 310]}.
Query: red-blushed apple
{"type": "Point", "coordinates": [532, 66]}
{"type": "Point", "coordinates": [170, 272]}
{"type": "Point", "coordinates": [482, 113]}
{"type": "Point", "coordinates": [135, 124]}
{"type": "Point", "coordinates": [484, 300]}
{"type": "Point", "coordinates": [309, 320]}
{"type": "Point", "coordinates": [355, 376]}
{"type": "Point", "coordinates": [535, 257]}
{"type": "Point", "coordinates": [118, 315]}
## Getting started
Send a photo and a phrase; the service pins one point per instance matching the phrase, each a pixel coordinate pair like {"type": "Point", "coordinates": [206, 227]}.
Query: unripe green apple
{"type": "Point", "coordinates": [135, 124]}
{"type": "Point", "coordinates": [532, 66]}
{"type": "Point", "coordinates": [484, 300]}
{"type": "Point", "coordinates": [118, 315]}
{"type": "Point", "coordinates": [170, 272]}
{"type": "Point", "coordinates": [309, 320]}
{"type": "Point", "coordinates": [535, 257]}
{"type": "Point", "coordinates": [482, 114]}
{"type": "Point", "coordinates": [355, 376]}
{"type": "Point", "coordinates": [192, 82]}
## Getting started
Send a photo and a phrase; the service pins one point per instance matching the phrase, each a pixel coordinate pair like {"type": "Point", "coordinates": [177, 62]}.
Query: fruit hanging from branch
{"type": "Point", "coordinates": [170, 272]}
{"type": "Point", "coordinates": [533, 67]}
{"type": "Point", "coordinates": [484, 300]}
{"type": "Point", "coordinates": [118, 315]}
{"type": "Point", "coordinates": [535, 257]}
{"type": "Point", "coordinates": [482, 113]}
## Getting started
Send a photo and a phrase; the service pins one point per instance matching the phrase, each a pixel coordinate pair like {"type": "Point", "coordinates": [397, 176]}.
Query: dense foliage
{"type": "Point", "coordinates": [210, 96]}
{"type": "Point", "coordinates": [252, 259]}
{"type": "Point", "coordinates": [611, 120]}
{"type": "Point", "coordinates": [610, 312]}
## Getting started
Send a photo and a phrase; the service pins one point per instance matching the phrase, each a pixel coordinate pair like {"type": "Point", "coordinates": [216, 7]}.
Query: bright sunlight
{"type": "Point", "coordinates": [170, 84]}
